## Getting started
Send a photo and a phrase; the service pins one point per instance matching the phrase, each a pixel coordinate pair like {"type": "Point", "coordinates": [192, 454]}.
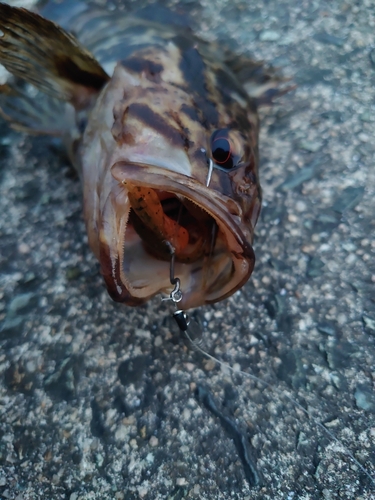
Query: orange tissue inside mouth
{"type": "Point", "coordinates": [146, 203]}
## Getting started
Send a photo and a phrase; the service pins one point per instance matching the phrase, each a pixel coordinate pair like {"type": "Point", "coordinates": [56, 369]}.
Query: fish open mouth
{"type": "Point", "coordinates": [170, 224]}
{"type": "Point", "coordinates": [167, 213]}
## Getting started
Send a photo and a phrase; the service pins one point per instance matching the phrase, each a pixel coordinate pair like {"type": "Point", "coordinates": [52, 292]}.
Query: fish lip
{"type": "Point", "coordinates": [224, 210]}
{"type": "Point", "coordinates": [215, 203]}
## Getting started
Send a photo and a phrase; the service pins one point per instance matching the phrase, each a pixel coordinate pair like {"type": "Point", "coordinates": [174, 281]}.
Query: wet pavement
{"type": "Point", "coordinates": [100, 401]}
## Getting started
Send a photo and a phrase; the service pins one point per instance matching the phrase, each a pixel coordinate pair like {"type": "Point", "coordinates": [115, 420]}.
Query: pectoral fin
{"type": "Point", "coordinates": [43, 54]}
{"type": "Point", "coordinates": [36, 114]}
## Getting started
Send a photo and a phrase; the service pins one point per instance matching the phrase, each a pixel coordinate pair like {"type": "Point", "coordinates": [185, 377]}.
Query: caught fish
{"type": "Point", "coordinates": [163, 130]}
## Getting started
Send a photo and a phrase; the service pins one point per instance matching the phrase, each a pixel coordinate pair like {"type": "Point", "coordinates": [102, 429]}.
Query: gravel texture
{"type": "Point", "coordinates": [100, 401]}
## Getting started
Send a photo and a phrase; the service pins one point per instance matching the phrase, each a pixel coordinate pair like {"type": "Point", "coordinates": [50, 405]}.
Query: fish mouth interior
{"type": "Point", "coordinates": [162, 209]}
{"type": "Point", "coordinates": [189, 233]}
{"type": "Point", "coordinates": [161, 223]}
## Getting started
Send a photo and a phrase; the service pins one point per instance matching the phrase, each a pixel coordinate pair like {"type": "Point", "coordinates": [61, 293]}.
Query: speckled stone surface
{"type": "Point", "coordinates": [98, 401]}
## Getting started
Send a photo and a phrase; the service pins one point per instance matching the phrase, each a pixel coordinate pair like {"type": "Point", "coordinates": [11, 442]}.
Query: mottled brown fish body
{"type": "Point", "coordinates": [155, 138]}
{"type": "Point", "coordinates": [167, 148]}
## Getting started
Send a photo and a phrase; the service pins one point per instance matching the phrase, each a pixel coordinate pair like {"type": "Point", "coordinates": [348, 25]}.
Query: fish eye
{"type": "Point", "coordinates": [221, 149]}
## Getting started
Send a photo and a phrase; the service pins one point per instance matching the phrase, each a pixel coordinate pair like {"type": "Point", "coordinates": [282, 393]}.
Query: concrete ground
{"type": "Point", "coordinates": [100, 401]}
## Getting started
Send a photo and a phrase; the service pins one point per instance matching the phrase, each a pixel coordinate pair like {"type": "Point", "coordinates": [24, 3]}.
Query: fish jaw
{"type": "Point", "coordinates": [133, 274]}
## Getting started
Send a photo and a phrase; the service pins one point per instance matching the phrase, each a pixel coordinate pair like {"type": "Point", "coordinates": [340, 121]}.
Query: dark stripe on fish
{"type": "Point", "coordinates": [184, 42]}
{"type": "Point", "coordinates": [193, 70]}
{"type": "Point", "coordinates": [227, 82]}
{"type": "Point", "coordinates": [190, 111]}
{"type": "Point", "coordinates": [151, 69]}
{"type": "Point", "coordinates": [155, 121]}
{"type": "Point", "coordinates": [210, 116]}
{"type": "Point", "coordinates": [68, 69]}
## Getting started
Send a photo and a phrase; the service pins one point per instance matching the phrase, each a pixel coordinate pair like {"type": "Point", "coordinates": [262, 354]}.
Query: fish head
{"type": "Point", "coordinates": [163, 178]}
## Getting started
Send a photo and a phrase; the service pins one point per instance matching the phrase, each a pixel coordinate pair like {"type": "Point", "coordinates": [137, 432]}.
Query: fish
{"type": "Point", "coordinates": [162, 127]}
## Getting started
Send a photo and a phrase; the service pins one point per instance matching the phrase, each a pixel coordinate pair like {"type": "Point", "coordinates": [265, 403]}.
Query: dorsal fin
{"type": "Point", "coordinates": [43, 54]}
{"type": "Point", "coordinates": [261, 82]}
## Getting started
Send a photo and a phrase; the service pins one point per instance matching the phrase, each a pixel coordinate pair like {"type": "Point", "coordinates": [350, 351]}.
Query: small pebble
{"type": "Point", "coordinates": [364, 397]}
{"type": "Point", "coordinates": [23, 248]}
{"type": "Point", "coordinates": [369, 322]}
{"type": "Point", "coordinates": [158, 341]}
{"type": "Point", "coordinates": [181, 481]}
{"type": "Point", "coordinates": [269, 36]}
{"type": "Point", "coordinates": [154, 441]}
{"type": "Point", "coordinates": [133, 443]}
{"type": "Point", "coordinates": [142, 492]}
{"type": "Point", "coordinates": [121, 433]}
{"type": "Point", "coordinates": [301, 206]}
{"type": "Point", "coordinates": [209, 365]}
{"type": "Point", "coordinates": [311, 146]}
{"type": "Point", "coordinates": [186, 414]}
{"type": "Point", "coordinates": [363, 137]}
